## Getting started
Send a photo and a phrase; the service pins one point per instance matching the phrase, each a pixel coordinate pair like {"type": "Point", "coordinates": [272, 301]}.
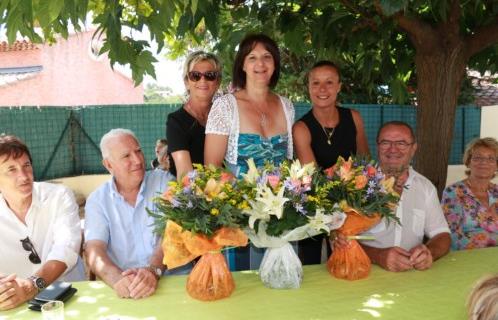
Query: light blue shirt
{"type": "Point", "coordinates": [127, 231]}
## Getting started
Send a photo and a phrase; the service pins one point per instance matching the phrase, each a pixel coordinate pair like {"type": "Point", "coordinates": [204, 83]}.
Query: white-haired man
{"type": "Point", "coordinates": [120, 245]}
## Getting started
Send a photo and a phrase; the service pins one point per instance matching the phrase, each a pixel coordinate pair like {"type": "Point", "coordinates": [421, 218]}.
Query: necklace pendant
{"type": "Point", "coordinates": [263, 120]}
{"type": "Point", "coordinates": [328, 141]}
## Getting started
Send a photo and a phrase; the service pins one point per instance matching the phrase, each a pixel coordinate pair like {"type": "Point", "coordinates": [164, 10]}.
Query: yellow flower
{"type": "Point", "coordinates": [388, 184]}
{"type": "Point", "coordinates": [243, 205]}
{"type": "Point", "coordinates": [212, 190]}
{"type": "Point", "coordinates": [215, 212]}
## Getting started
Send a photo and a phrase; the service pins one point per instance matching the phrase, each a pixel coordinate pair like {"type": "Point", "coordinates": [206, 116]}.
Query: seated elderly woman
{"type": "Point", "coordinates": [470, 205]}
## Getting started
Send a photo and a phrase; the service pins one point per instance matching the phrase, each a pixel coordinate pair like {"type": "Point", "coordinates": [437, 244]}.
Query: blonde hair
{"type": "Point", "coordinates": [482, 303]}
{"type": "Point", "coordinates": [488, 143]}
{"type": "Point", "coordinates": [198, 56]}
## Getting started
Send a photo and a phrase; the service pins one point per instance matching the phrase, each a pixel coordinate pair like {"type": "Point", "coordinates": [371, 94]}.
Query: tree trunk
{"type": "Point", "coordinates": [439, 77]}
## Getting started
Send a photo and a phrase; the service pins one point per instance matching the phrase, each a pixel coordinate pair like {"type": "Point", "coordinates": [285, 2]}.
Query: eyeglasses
{"type": "Point", "coordinates": [400, 145]}
{"type": "Point", "coordinates": [209, 75]}
{"type": "Point", "coordinates": [480, 159]}
{"type": "Point", "coordinates": [28, 246]}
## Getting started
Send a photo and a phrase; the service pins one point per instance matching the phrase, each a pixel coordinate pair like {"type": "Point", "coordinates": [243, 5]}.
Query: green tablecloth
{"type": "Point", "coordinates": [438, 293]}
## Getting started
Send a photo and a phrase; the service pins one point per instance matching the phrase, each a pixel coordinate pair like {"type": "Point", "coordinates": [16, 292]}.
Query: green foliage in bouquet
{"type": "Point", "coordinates": [359, 183]}
{"type": "Point", "coordinates": [204, 201]}
{"type": "Point", "coordinates": [285, 197]}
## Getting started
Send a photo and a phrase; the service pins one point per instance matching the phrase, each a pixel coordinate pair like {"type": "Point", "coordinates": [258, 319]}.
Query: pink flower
{"type": "Point", "coordinates": [273, 180]}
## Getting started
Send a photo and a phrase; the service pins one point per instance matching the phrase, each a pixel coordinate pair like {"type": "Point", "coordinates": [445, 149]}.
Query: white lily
{"type": "Point", "coordinates": [255, 212]}
{"type": "Point", "coordinates": [273, 204]}
{"type": "Point", "coordinates": [328, 222]}
{"type": "Point", "coordinates": [296, 171]}
{"type": "Point", "coordinates": [252, 173]}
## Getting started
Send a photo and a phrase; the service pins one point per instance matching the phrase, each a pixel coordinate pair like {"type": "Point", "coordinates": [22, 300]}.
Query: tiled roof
{"type": "Point", "coordinates": [486, 90]}
{"type": "Point", "coordinates": [11, 75]}
{"type": "Point", "coordinates": [17, 46]}
{"type": "Point", "coordinates": [486, 94]}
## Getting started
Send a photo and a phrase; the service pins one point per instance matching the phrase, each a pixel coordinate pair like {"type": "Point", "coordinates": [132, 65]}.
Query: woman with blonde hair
{"type": "Point", "coordinates": [185, 128]}
{"type": "Point", "coordinates": [470, 205]}
{"type": "Point", "coordinates": [482, 303]}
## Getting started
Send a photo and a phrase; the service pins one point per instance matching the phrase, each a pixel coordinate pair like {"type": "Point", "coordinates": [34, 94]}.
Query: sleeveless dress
{"type": "Point", "coordinates": [343, 143]}
{"type": "Point", "coordinates": [224, 119]}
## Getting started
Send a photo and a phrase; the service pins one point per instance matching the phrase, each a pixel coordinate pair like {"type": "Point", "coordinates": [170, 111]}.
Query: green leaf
{"type": "Point", "coordinates": [48, 11]}
{"type": "Point", "coordinates": [193, 6]}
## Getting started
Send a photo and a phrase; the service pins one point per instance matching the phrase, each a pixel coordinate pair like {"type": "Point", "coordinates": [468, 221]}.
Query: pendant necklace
{"type": "Point", "coordinates": [328, 134]}
{"type": "Point", "coordinates": [263, 120]}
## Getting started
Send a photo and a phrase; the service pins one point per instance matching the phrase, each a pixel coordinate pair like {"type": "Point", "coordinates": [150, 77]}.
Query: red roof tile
{"type": "Point", "coordinates": [17, 46]}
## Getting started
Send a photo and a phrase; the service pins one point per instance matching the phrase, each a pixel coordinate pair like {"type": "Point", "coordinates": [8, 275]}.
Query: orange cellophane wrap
{"type": "Point", "coordinates": [210, 279]}
{"type": "Point", "coordinates": [352, 263]}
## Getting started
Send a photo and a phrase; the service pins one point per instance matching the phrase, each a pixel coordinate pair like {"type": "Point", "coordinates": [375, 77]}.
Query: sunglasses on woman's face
{"type": "Point", "coordinates": [28, 246]}
{"type": "Point", "coordinates": [196, 75]}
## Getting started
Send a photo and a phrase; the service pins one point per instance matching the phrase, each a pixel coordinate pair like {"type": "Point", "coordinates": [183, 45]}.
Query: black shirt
{"type": "Point", "coordinates": [343, 140]}
{"type": "Point", "coordinates": [184, 132]}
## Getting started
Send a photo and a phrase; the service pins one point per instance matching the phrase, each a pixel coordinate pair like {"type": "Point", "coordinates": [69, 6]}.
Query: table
{"type": "Point", "coordinates": [438, 293]}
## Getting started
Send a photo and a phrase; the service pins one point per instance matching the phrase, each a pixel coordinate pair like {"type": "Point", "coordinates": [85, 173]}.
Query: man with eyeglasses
{"type": "Point", "coordinates": [120, 245]}
{"type": "Point", "coordinates": [401, 247]}
{"type": "Point", "coordinates": [39, 226]}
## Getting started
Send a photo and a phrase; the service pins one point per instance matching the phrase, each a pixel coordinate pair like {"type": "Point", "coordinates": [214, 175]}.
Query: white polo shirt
{"type": "Point", "coordinates": [420, 214]}
{"type": "Point", "coordinates": [52, 225]}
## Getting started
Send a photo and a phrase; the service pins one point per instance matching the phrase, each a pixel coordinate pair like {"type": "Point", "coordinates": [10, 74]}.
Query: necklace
{"type": "Point", "coordinates": [201, 117]}
{"type": "Point", "coordinates": [263, 119]}
{"type": "Point", "coordinates": [328, 134]}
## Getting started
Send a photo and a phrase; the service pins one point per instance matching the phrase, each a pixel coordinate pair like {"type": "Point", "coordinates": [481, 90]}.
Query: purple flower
{"type": "Point", "coordinates": [175, 203]}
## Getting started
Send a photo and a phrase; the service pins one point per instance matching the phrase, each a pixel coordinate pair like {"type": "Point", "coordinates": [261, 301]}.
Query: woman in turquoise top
{"type": "Point", "coordinates": [253, 122]}
{"type": "Point", "coordinates": [471, 205]}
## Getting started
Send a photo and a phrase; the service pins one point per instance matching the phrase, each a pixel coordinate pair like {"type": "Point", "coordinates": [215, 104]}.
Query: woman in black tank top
{"type": "Point", "coordinates": [325, 133]}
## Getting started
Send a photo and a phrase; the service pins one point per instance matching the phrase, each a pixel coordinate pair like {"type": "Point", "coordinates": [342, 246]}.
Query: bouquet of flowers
{"type": "Point", "coordinates": [200, 215]}
{"type": "Point", "coordinates": [285, 203]}
{"type": "Point", "coordinates": [364, 193]}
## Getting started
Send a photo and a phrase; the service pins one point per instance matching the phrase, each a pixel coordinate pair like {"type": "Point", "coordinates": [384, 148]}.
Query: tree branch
{"type": "Point", "coordinates": [367, 18]}
{"type": "Point", "coordinates": [421, 34]}
{"type": "Point", "coordinates": [483, 37]}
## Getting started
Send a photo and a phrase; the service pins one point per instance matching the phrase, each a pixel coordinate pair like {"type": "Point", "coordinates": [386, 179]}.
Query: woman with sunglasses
{"type": "Point", "coordinates": [253, 122]}
{"type": "Point", "coordinates": [471, 205]}
{"type": "Point", "coordinates": [185, 127]}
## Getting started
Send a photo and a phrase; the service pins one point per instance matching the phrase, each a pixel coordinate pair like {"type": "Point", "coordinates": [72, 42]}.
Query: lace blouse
{"type": "Point", "coordinates": [224, 119]}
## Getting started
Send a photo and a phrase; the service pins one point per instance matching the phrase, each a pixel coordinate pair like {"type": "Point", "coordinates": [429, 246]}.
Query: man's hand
{"type": "Point", "coordinates": [394, 259]}
{"type": "Point", "coordinates": [339, 241]}
{"type": "Point", "coordinates": [421, 257]}
{"type": "Point", "coordinates": [15, 291]}
{"type": "Point", "coordinates": [144, 282]}
{"type": "Point", "coordinates": [121, 286]}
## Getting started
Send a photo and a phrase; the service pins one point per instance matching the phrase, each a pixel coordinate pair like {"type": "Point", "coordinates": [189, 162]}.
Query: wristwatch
{"type": "Point", "coordinates": [156, 271]}
{"type": "Point", "coordinates": [38, 282]}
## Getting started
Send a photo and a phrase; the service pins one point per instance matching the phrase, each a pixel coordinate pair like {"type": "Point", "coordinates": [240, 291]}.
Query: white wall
{"type": "Point", "coordinates": [489, 122]}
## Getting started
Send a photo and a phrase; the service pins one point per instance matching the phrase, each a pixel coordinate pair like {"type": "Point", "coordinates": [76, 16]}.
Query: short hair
{"type": "Point", "coordinates": [323, 63]}
{"type": "Point", "coordinates": [163, 142]}
{"type": "Point", "coordinates": [481, 304]}
{"type": "Point", "coordinates": [245, 47]}
{"type": "Point", "coordinates": [112, 134]}
{"type": "Point", "coordinates": [397, 123]}
{"type": "Point", "coordinates": [488, 143]}
{"type": "Point", "coordinates": [199, 56]}
{"type": "Point", "coordinates": [12, 146]}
